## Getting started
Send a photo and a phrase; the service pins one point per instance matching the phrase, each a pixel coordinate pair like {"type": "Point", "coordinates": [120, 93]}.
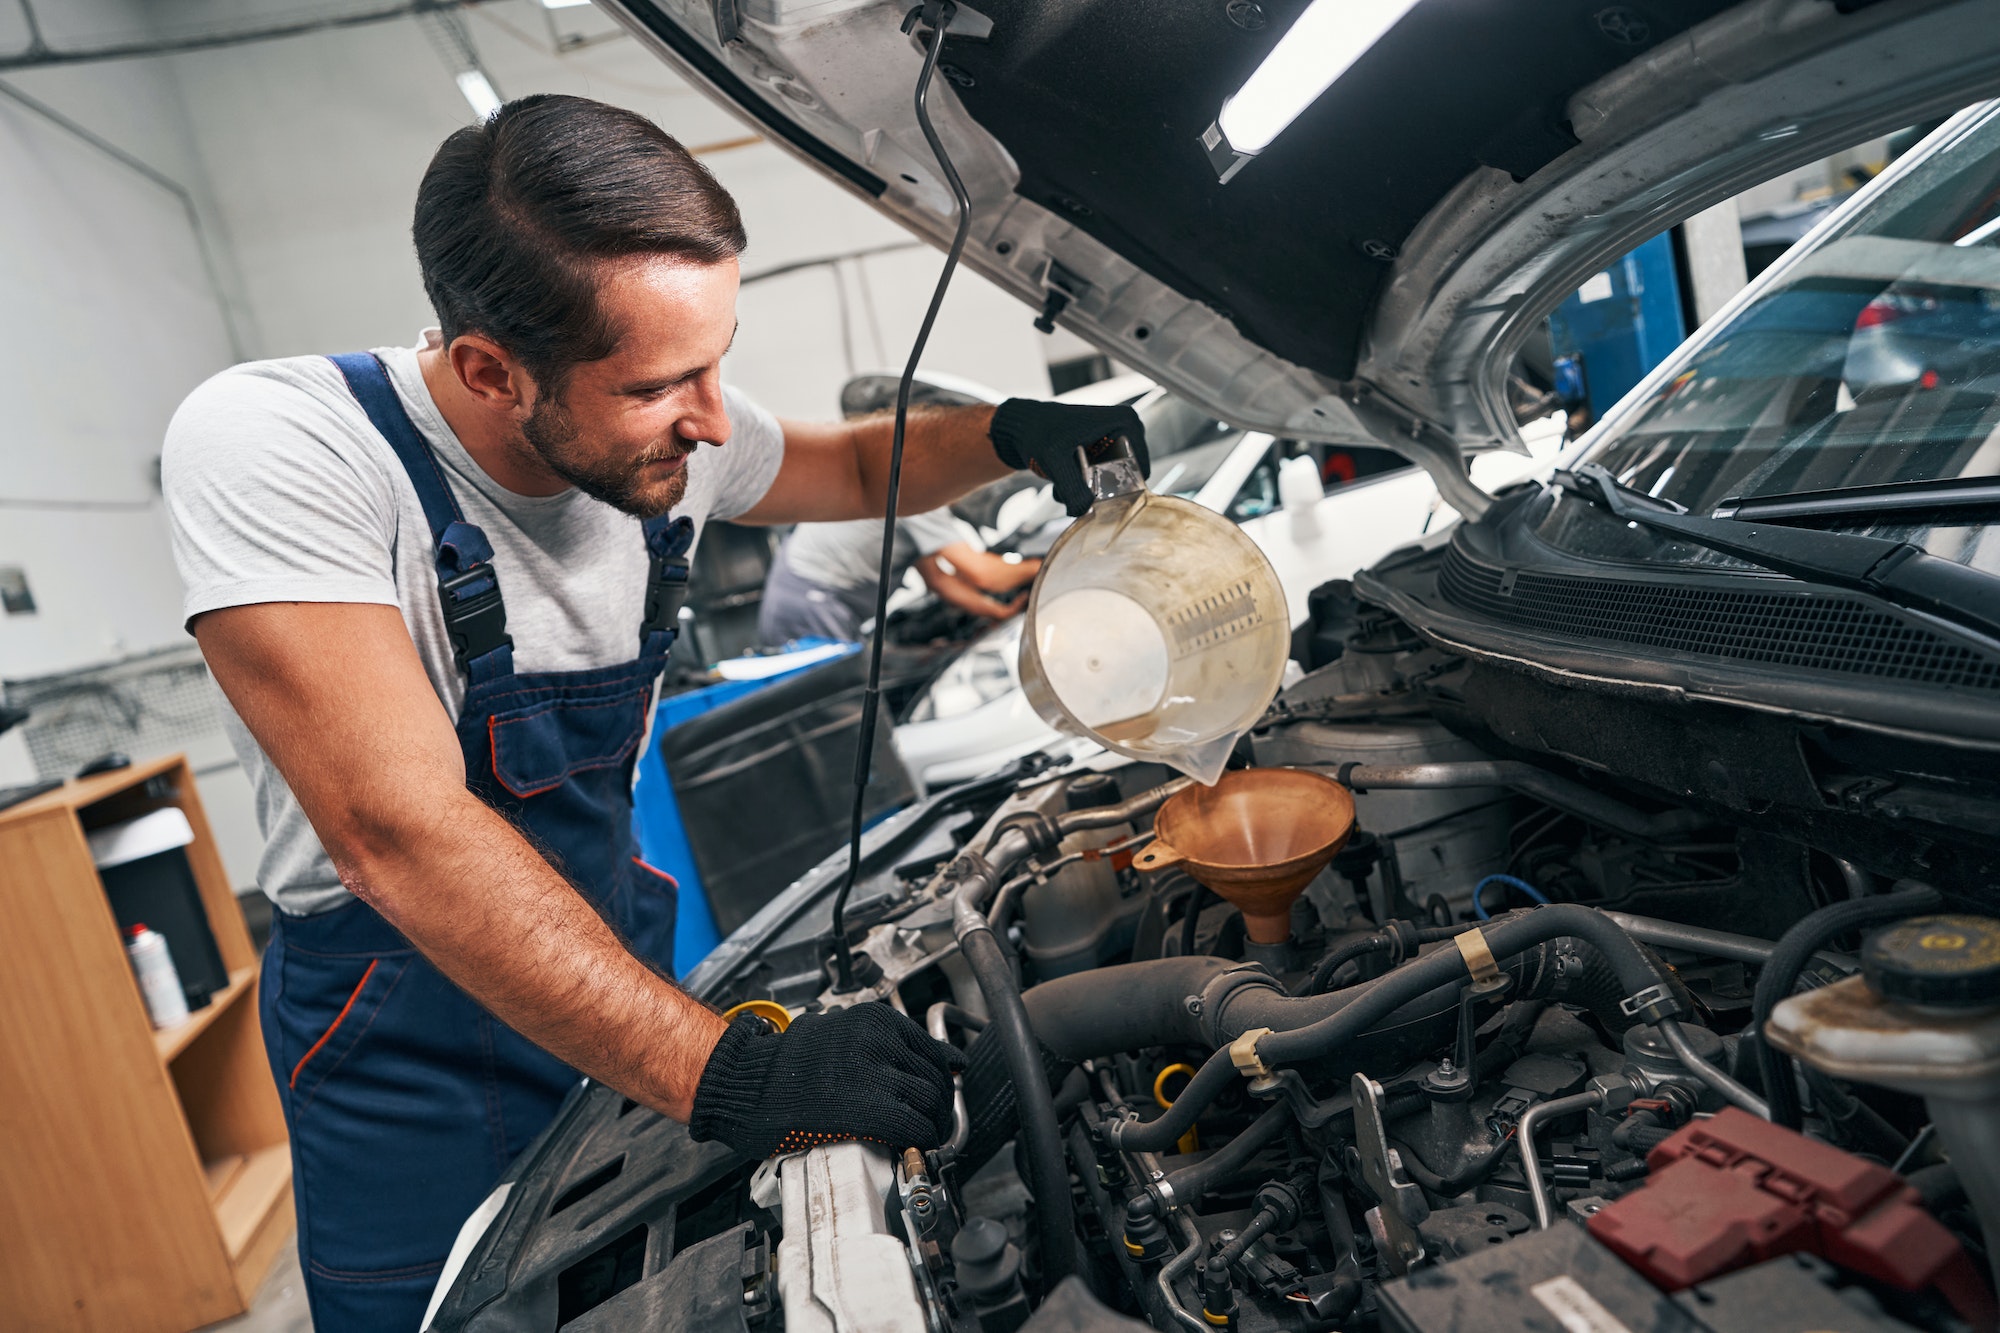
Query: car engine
{"type": "Point", "coordinates": [1498, 1070]}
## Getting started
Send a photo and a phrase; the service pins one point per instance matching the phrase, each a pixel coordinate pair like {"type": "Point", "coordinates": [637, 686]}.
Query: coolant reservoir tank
{"type": "Point", "coordinates": [1156, 628]}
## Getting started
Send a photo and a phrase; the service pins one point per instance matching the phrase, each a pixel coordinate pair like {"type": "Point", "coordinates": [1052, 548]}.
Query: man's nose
{"type": "Point", "coordinates": [708, 417]}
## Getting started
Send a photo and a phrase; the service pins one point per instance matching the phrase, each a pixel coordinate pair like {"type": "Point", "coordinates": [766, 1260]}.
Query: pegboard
{"type": "Point", "coordinates": [147, 705]}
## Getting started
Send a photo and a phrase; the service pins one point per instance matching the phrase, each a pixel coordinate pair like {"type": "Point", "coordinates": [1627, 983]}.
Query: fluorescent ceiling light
{"type": "Point", "coordinates": [479, 92]}
{"type": "Point", "coordinates": [563, 4]}
{"type": "Point", "coordinates": [1320, 46]}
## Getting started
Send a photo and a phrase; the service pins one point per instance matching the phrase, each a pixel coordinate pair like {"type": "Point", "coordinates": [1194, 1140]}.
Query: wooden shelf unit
{"type": "Point", "coordinates": [148, 1182]}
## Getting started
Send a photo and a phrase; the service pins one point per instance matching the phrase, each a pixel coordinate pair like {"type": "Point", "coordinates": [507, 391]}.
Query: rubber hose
{"type": "Point", "coordinates": [1505, 938]}
{"type": "Point", "coordinates": [1938, 1185]}
{"type": "Point", "coordinates": [1808, 935]}
{"type": "Point", "coordinates": [1126, 1007]}
{"type": "Point", "coordinates": [1233, 1252]}
{"type": "Point", "coordinates": [1595, 986]}
{"type": "Point", "coordinates": [1251, 1007]}
{"type": "Point", "coordinates": [1853, 1123]}
{"type": "Point", "coordinates": [1346, 953]}
{"type": "Point", "coordinates": [993, 1109]}
{"type": "Point", "coordinates": [1511, 1040]}
{"type": "Point", "coordinates": [1450, 1187]}
{"type": "Point", "coordinates": [1041, 1138]}
{"type": "Point", "coordinates": [1190, 1182]}
{"type": "Point", "coordinates": [1191, 918]}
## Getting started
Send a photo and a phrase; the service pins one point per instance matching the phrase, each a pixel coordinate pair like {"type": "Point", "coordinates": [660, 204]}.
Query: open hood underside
{"type": "Point", "coordinates": [1371, 275]}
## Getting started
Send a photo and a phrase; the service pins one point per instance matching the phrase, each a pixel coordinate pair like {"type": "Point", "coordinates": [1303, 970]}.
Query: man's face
{"type": "Point", "coordinates": [623, 428]}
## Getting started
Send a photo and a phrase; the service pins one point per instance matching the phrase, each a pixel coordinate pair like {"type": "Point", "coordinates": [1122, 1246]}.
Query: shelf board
{"type": "Point", "coordinates": [253, 1192]}
{"type": "Point", "coordinates": [222, 1174]}
{"type": "Point", "coordinates": [79, 792]}
{"type": "Point", "coordinates": [170, 1042]}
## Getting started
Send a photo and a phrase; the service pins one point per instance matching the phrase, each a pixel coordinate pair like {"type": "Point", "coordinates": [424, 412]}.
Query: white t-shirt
{"type": "Point", "coordinates": [279, 490]}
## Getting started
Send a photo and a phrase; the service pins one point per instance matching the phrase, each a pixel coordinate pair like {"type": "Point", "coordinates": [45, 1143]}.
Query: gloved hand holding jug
{"type": "Point", "coordinates": [1045, 438]}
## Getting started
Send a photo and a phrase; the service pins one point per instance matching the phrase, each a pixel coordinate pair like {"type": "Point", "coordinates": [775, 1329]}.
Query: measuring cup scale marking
{"type": "Point", "coordinates": [1219, 616]}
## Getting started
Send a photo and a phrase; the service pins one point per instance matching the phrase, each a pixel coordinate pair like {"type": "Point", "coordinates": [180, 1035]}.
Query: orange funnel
{"type": "Point", "coordinates": [1257, 837]}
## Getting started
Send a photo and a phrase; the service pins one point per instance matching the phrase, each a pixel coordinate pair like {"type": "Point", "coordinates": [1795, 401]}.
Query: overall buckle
{"type": "Point", "coordinates": [666, 593]}
{"type": "Point", "coordinates": [475, 619]}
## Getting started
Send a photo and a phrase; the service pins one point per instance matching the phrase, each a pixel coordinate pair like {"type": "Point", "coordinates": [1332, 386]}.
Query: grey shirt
{"type": "Point", "coordinates": [279, 490]}
{"type": "Point", "coordinates": [841, 556]}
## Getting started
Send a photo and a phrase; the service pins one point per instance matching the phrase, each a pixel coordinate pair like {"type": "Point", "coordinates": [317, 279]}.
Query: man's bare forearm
{"type": "Point", "coordinates": [493, 915]}
{"type": "Point", "coordinates": [946, 453]}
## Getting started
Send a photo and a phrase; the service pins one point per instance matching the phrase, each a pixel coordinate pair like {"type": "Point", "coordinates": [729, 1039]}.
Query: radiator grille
{"type": "Point", "coordinates": [1818, 631]}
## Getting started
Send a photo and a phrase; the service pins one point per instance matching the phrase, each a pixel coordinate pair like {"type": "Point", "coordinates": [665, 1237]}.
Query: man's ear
{"type": "Point", "coordinates": [489, 374]}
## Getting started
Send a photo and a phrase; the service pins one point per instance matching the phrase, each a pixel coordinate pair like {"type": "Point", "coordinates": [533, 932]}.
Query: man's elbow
{"type": "Point", "coordinates": [377, 842]}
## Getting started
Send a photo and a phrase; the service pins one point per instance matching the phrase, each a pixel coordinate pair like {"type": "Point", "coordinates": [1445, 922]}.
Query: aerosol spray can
{"type": "Point", "coordinates": [158, 980]}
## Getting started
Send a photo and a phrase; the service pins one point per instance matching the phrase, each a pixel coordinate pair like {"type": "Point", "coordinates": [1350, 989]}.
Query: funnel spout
{"type": "Point", "coordinates": [1256, 838]}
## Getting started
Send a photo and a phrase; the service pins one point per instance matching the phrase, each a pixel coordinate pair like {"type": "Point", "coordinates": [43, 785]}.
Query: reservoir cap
{"type": "Point", "coordinates": [1952, 961]}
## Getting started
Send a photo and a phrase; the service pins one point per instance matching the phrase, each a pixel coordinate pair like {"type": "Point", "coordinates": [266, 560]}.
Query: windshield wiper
{"type": "Point", "coordinates": [1947, 495]}
{"type": "Point", "coordinates": [1896, 572]}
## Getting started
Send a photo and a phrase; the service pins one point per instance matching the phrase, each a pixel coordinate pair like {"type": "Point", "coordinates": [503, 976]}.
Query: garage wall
{"type": "Point", "coordinates": [108, 313]}
{"type": "Point", "coordinates": [316, 145]}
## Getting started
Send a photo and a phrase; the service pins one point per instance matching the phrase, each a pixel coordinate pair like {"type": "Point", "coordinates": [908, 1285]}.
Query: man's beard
{"type": "Point", "coordinates": [552, 434]}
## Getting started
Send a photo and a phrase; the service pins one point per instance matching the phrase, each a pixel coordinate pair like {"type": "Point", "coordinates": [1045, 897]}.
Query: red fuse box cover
{"type": "Point", "coordinates": [1734, 1190]}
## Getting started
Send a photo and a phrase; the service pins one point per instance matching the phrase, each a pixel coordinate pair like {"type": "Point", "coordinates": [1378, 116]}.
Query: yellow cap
{"type": "Point", "coordinates": [770, 1011]}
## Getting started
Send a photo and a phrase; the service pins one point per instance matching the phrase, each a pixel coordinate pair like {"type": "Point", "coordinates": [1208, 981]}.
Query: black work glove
{"type": "Point", "coordinates": [1044, 437]}
{"type": "Point", "coordinates": [865, 1072]}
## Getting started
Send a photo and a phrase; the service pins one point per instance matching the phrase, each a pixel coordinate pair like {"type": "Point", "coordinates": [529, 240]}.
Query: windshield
{"type": "Point", "coordinates": [1876, 360]}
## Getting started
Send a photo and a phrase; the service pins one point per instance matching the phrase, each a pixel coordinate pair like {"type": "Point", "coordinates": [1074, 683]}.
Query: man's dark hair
{"type": "Point", "coordinates": [516, 214]}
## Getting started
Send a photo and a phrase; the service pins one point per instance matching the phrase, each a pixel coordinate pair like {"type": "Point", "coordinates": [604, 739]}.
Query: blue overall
{"type": "Point", "coordinates": [405, 1098]}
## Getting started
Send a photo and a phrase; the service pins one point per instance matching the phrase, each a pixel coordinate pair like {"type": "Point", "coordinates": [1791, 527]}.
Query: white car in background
{"type": "Point", "coordinates": [1318, 512]}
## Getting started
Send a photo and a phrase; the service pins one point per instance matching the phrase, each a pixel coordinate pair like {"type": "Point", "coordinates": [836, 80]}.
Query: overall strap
{"type": "Point", "coordinates": [667, 543]}
{"type": "Point", "coordinates": [475, 618]}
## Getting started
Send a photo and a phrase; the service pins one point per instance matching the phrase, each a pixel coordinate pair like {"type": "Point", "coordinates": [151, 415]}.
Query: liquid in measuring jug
{"type": "Point", "coordinates": [1106, 659]}
{"type": "Point", "coordinates": [1156, 629]}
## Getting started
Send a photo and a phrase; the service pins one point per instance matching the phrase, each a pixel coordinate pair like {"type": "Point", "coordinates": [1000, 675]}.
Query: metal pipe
{"type": "Point", "coordinates": [1535, 781]}
{"type": "Point", "coordinates": [1714, 943]}
{"type": "Point", "coordinates": [1531, 1166]}
{"type": "Point", "coordinates": [1125, 812]}
{"type": "Point", "coordinates": [936, 1019]}
{"type": "Point", "coordinates": [1728, 1087]}
{"type": "Point", "coordinates": [1173, 1268]}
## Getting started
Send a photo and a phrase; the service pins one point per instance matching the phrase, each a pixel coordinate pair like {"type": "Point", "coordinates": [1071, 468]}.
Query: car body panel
{"type": "Point", "coordinates": [1707, 100]}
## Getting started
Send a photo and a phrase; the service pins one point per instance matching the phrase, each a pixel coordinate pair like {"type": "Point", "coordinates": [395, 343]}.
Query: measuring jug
{"type": "Point", "coordinates": [1155, 628]}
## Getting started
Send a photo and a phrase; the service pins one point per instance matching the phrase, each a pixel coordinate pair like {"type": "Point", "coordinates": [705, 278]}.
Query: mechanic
{"type": "Point", "coordinates": [444, 778]}
{"type": "Point", "coordinates": [823, 582]}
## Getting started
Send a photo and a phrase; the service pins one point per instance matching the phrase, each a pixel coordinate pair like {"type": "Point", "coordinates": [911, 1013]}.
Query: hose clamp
{"type": "Point", "coordinates": [1243, 1054]}
{"type": "Point", "coordinates": [1215, 997]}
{"type": "Point", "coordinates": [1480, 964]}
{"type": "Point", "coordinates": [1650, 1005]}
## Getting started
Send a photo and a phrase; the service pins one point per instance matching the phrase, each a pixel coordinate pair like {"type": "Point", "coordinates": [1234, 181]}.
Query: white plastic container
{"type": "Point", "coordinates": [1156, 628]}
{"type": "Point", "coordinates": [153, 961]}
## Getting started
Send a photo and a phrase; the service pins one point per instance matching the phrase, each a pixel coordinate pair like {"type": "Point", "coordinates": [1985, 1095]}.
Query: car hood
{"type": "Point", "coordinates": [1370, 276]}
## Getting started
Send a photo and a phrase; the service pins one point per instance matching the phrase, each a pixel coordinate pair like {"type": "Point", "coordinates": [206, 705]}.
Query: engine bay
{"type": "Point", "coordinates": [1493, 1067]}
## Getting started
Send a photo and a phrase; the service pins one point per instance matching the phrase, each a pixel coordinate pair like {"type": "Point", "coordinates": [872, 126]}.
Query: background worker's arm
{"type": "Point", "coordinates": [958, 592]}
{"type": "Point", "coordinates": [986, 571]}
{"type": "Point", "coordinates": [970, 579]}
{"type": "Point", "coordinates": [336, 696]}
